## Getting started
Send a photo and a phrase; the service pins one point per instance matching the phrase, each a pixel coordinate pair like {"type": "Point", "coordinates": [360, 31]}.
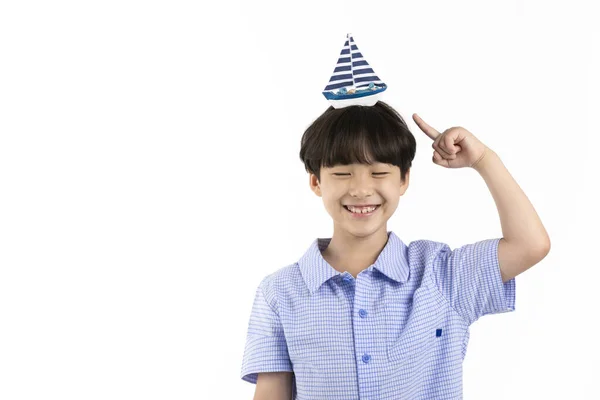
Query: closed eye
{"type": "Point", "coordinates": [374, 173]}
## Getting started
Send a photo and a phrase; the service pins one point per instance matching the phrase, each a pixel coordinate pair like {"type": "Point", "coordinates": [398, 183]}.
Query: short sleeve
{"type": "Point", "coordinates": [469, 277]}
{"type": "Point", "coordinates": [266, 348]}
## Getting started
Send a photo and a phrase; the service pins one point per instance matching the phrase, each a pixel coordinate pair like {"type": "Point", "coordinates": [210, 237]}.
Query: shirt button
{"type": "Point", "coordinates": [347, 279]}
{"type": "Point", "coordinates": [362, 313]}
{"type": "Point", "coordinates": [366, 358]}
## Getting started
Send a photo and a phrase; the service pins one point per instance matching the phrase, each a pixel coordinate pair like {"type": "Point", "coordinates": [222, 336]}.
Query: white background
{"type": "Point", "coordinates": [150, 178]}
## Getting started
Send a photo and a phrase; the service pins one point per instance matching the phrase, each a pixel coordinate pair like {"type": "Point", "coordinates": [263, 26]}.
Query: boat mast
{"type": "Point", "coordinates": [351, 69]}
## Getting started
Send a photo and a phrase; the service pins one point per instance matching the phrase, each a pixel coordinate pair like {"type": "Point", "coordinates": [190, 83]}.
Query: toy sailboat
{"type": "Point", "coordinates": [353, 81]}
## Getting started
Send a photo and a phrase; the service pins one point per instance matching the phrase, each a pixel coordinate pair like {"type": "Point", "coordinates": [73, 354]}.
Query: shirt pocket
{"type": "Point", "coordinates": [411, 329]}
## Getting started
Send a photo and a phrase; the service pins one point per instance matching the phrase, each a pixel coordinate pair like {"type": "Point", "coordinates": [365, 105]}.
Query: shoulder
{"type": "Point", "coordinates": [423, 255]}
{"type": "Point", "coordinates": [279, 282]}
{"type": "Point", "coordinates": [439, 258]}
{"type": "Point", "coordinates": [425, 251]}
{"type": "Point", "coordinates": [281, 276]}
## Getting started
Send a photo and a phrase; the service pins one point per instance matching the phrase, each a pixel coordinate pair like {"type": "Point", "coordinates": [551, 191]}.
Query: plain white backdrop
{"type": "Point", "coordinates": [150, 178]}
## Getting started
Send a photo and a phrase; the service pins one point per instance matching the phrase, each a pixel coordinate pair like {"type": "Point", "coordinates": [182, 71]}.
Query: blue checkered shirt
{"type": "Point", "coordinates": [398, 331]}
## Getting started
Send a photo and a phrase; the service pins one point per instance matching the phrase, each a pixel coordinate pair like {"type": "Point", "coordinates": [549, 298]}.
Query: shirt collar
{"type": "Point", "coordinates": [392, 262]}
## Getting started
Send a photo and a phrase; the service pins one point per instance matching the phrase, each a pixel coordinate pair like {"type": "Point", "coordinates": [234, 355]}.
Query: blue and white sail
{"type": "Point", "coordinates": [353, 81]}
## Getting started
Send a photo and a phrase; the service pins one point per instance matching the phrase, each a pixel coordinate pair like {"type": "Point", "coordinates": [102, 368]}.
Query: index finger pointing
{"type": "Point", "coordinates": [429, 131]}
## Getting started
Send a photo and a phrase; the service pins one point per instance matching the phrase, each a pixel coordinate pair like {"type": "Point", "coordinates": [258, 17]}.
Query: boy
{"type": "Point", "coordinates": [362, 315]}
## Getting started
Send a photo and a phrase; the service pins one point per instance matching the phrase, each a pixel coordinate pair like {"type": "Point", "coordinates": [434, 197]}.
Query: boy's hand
{"type": "Point", "coordinates": [455, 148]}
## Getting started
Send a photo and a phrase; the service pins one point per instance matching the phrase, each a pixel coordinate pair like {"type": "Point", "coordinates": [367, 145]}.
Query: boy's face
{"type": "Point", "coordinates": [357, 184]}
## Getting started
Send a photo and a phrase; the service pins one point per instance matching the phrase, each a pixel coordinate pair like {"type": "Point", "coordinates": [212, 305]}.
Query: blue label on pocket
{"type": "Point", "coordinates": [438, 332]}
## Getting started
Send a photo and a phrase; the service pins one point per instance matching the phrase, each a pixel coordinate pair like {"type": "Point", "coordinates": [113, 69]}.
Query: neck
{"type": "Point", "coordinates": [347, 252]}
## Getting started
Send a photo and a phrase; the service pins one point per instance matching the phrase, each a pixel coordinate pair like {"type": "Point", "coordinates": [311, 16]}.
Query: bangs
{"type": "Point", "coordinates": [358, 135]}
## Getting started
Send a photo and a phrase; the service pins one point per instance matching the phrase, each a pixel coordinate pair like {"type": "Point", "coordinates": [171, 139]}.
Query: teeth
{"type": "Point", "coordinates": [361, 210]}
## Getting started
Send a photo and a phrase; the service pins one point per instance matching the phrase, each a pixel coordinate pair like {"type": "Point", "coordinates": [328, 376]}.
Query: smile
{"type": "Point", "coordinates": [360, 214]}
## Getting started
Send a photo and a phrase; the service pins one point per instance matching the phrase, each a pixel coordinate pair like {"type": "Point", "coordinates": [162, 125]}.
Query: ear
{"type": "Point", "coordinates": [315, 186]}
{"type": "Point", "coordinates": [404, 185]}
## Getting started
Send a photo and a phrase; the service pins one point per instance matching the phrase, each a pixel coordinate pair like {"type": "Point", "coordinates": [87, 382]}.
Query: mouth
{"type": "Point", "coordinates": [362, 214]}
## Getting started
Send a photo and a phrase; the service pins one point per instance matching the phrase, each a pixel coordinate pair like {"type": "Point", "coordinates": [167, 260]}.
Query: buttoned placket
{"type": "Point", "coordinates": [365, 371]}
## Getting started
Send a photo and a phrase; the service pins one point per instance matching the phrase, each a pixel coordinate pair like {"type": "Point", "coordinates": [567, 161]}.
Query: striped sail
{"type": "Point", "coordinates": [352, 70]}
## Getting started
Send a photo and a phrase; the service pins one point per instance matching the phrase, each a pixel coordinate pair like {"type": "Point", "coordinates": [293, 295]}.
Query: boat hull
{"type": "Point", "coordinates": [367, 98]}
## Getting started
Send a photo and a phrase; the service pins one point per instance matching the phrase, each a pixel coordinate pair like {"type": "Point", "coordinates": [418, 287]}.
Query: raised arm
{"type": "Point", "coordinates": [525, 241]}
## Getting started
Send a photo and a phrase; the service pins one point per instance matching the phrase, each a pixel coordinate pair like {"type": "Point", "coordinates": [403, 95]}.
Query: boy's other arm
{"type": "Point", "coordinates": [525, 241]}
{"type": "Point", "coordinates": [274, 386]}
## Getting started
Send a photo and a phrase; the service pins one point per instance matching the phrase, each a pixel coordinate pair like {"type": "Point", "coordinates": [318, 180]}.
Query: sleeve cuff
{"type": "Point", "coordinates": [265, 354]}
{"type": "Point", "coordinates": [504, 292]}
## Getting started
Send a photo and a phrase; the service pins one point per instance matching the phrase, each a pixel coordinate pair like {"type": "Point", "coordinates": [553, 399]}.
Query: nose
{"type": "Point", "coordinates": [361, 187]}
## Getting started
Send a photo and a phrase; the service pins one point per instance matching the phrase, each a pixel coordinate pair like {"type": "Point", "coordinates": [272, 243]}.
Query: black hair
{"type": "Point", "coordinates": [358, 134]}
